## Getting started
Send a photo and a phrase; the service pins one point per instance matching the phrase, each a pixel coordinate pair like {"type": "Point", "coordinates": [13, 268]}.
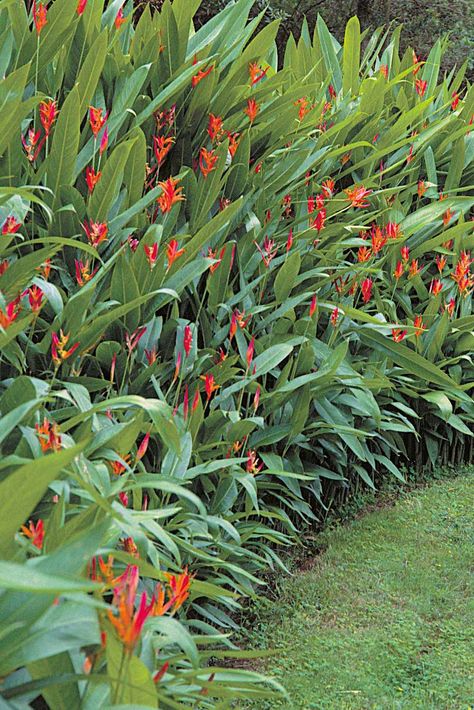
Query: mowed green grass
{"type": "Point", "coordinates": [385, 616]}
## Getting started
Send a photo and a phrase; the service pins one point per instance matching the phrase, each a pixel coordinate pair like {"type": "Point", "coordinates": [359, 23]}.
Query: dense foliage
{"type": "Point", "coordinates": [228, 291]}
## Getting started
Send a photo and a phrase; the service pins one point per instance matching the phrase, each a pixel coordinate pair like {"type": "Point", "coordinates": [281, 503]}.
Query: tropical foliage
{"type": "Point", "coordinates": [228, 293]}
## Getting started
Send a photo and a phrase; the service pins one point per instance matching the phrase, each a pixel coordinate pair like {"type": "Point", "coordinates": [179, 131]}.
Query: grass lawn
{"type": "Point", "coordinates": [384, 618]}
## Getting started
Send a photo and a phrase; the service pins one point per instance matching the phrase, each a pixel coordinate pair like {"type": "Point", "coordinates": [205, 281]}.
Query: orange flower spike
{"type": "Point", "coordinates": [96, 120]}
{"type": "Point", "coordinates": [48, 113]}
{"type": "Point", "coordinates": [384, 70]}
{"type": "Point", "coordinates": [419, 326]}
{"type": "Point", "coordinates": [421, 87]}
{"type": "Point", "coordinates": [209, 385]}
{"type": "Point", "coordinates": [162, 146]}
{"type": "Point", "coordinates": [327, 188]}
{"type": "Point", "coordinates": [398, 273]}
{"type": "Point", "coordinates": [173, 253]}
{"type": "Point", "coordinates": [160, 606]}
{"type": "Point", "coordinates": [119, 19]}
{"type": "Point", "coordinates": [48, 436]}
{"type": "Point", "coordinates": [151, 253]}
{"type": "Point", "coordinates": [447, 216]}
{"type": "Point", "coordinates": [96, 232]}
{"type": "Point", "coordinates": [364, 254]}
{"type": "Point", "coordinates": [436, 287]}
{"type": "Point", "coordinates": [334, 316]}
{"type": "Point", "coordinates": [92, 178]}
{"type": "Point", "coordinates": [207, 161]}
{"type": "Point", "coordinates": [303, 107]}
{"type": "Point", "coordinates": [405, 254]}
{"type": "Point", "coordinates": [440, 263]}
{"type": "Point", "coordinates": [250, 351]}
{"type": "Point", "coordinates": [179, 587]}
{"type": "Point", "coordinates": [414, 268]}
{"type": "Point", "coordinates": [83, 272]}
{"type": "Point", "coordinates": [10, 314]}
{"type": "Point", "coordinates": [252, 109]}
{"type": "Point", "coordinates": [10, 226]}
{"type": "Point", "coordinates": [313, 306]}
{"type": "Point", "coordinates": [81, 6]}
{"type": "Point", "coordinates": [35, 298]}
{"type": "Point", "coordinates": [417, 64]}
{"type": "Point", "coordinates": [127, 622]}
{"type": "Point", "coordinates": [233, 143]}
{"type": "Point", "coordinates": [233, 326]}
{"type": "Point", "coordinates": [455, 100]}
{"type": "Point", "coordinates": [39, 16]}
{"type": "Point", "coordinates": [398, 334]}
{"type": "Point", "coordinates": [58, 347]}
{"type": "Point", "coordinates": [118, 467]}
{"type": "Point", "coordinates": [215, 127]}
{"type": "Point", "coordinates": [35, 532]}
{"type": "Point", "coordinates": [256, 73]}
{"type": "Point", "coordinates": [201, 75]}
{"type": "Point", "coordinates": [379, 240]}
{"type": "Point", "coordinates": [253, 465]}
{"type": "Point", "coordinates": [171, 194]}
{"type": "Point", "coordinates": [421, 188]}
{"type": "Point", "coordinates": [357, 196]}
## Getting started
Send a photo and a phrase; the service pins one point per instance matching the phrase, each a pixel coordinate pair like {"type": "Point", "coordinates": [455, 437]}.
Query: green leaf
{"type": "Point", "coordinates": [60, 163]}
{"type": "Point", "coordinates": [351, 57]}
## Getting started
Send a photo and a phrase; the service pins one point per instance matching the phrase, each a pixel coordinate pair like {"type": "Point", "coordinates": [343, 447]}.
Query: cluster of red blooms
{"type": "Point", "coordinates": [48, 436]}
{"type": "Point", "coordinates": [33, 141]}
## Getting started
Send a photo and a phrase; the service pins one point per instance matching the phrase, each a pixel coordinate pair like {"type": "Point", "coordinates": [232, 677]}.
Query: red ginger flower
{"type": "Point", "coordinates": [207, 161]}
{"type": "Point", "coordinates": [253, 465]}
{"type": "Point", "coordinates": [398, 334]}
{"type": "Point", "coordinates": [213, 255]}
{"type": "Point", "coordinates": [440, 263]}
{"type": "Point", "coordinates": [455, 100]}
{"type": "Point", "coordinates": [233, 143]}
{"type": "Point", "coordinates": [104, 141]}
{"type": "Point", "coordinates": [379, 240]}
{"type": "Point", "coordinates": [421, 188]}
{"type": "Point", "coordinates": [179, 586]}
{"type": "Point", "coordinates": [335, 316]}
{"type": "Point", "coordinates": [35, 298]}
{"type": "Point", "coordinates": [48, 436]}
{"type": "Point", "coordinates": [151, 253]}
{"type": "Point", "coordinates": [83, 272]}
{"type": "Point", "coordinates": [419, 326]}
{"type": "Point", "coordinates": [96, 232]}
{"type": "Point", "coordinates": [414, 268]}
{"type": "Point", "coordinates": [39, 16]}
{"type": "Point", "coordinates": [363, 254]}
{"type": "Point", "coordinates": [132, 340]}
{"type": "Point", "coordinates": [119, 19]}
{"type": "Point", "coordinates": [201, 75]}
{"type": "Point", "coordinates": [81, 6]}
{"type": "Point", "coordinates": [328, 188]}
{"type": "Point", "coordinates": [366, 289]}
{"type": "Point", "coordinates": [252, 109]}
{"type": "Point", "coordinates": [10, 226]}
{"type": "Point", "coordinates": [392, 230]}
{"type": "Point", "coordinates": [405, 254]}
{"type": "Point", "coordinates": [35, 532]}
{"type": "Point", "coordinates": [357, 196]}
{"type": "Point", "coordinates": [127, 621]}
{"type": "Point", "coordinates": [269, 250]}
{"type": "Point", "coordinates": [313, 305]}
{"type": "Point", "coordinates": [92, 178]}
{"type": "Point", "coordinates": [450, 306]}
{"type": "Point", "coordinates": [30, 144]}
{"type": "Point", "coordinates": [173, 253]}
{"type": "Point", "coordinates": [250, 351]}
{"type": "Point", "coordinates": [421, 87]}
{"type": "Point", "coordinates": [187, 340]}
{"type": "Point", "coordinates": [171, 194]}
{"type": "Point", "coordinates": [96, 120]}
{"type": "Point", "coordinates": [256, 73]}
{"type": "Point", "coordinates": [162, 146]}
{"type": "Point", "coordinates": [48, 112]}
{"type": "Point", "coordinates": [10, 313]}
{"type": "Point", "coordinates": [58, 347]}
{"type": "Point", "coordinates": [398, 273]}
{"type": "Point", "coordinates": [447, 216]}
{"type": "Point", "coordinates": [435, 287]}
{"type": "Point", "coordinates": [4, 264]}
{"type": "Point", "coordinates": [215, 127]}
{"type": "Point", "coordinates": [209, 385]}
{"type": "Point", "coordinates": [319, 221]}
{"type": "Point", "coordinates": [303, 109]}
